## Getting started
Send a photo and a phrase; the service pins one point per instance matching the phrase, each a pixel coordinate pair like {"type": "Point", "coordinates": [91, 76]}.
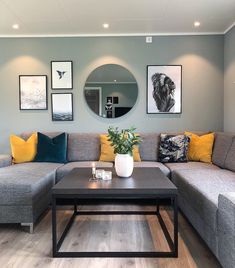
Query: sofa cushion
{"type": "Point", "coordinates": [200, 147]}
{"type": "Point", "coordinates": [163, 168]}
{"type": "Point", "coordinates": [149, 146]}
{"type": "Point", "coordinates": [107, 150]}
{"type": "Point", "coordinates": [51, 149]}
{"type": "Point", "coordinates": [191, 165]}
{"type": "Point", "coordinates": [65, 169]}
{"type": "Point", "coordinates": [173, 148]}
{"type": "Point", "coordinates": [230, 158]}
{"type": "Point", "coordinates": [201, 189]}
{"type": "Point", "coordinates": [222, 144]}
{"type": "Point", "coordinates": [83, 147]}
{"type": "Point", "coordinates": [23, 150]}
{"type": "Point", "coordinates": [22, 184]}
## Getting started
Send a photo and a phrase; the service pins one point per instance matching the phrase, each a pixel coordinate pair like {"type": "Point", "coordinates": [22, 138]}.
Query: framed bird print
{"type": "Point", "coordinates": [61, 74]}
{"type": "Point", "coordinates": [164, 89]}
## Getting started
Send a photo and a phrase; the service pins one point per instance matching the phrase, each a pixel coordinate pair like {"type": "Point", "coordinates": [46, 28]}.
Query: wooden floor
{"type": "Point", "coordinates": [114, 232]}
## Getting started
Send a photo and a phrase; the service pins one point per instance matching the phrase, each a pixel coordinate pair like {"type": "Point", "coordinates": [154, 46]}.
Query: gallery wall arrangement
{"type": "Point", "coordinates": [33, 93]}
{"type": "Point", "coordinates": [164, 92]}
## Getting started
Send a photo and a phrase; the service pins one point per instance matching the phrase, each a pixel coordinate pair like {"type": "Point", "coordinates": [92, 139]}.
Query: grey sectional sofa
{"type": "Point", "coordinates": [206, 191]}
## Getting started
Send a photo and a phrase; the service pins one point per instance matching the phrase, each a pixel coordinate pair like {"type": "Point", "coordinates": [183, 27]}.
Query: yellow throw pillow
{"type": "Point", "coordinates": [23, 151]}
{"type": "Point", "coordinates": [200, 147]}
{"type": "Point", "coordinates": [107, 153]}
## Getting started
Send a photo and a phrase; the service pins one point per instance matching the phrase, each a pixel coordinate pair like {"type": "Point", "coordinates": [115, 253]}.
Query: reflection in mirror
{"type": "Point", "coordinates": [111, 91]}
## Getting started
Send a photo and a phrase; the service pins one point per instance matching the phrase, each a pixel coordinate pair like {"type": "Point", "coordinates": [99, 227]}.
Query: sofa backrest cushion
{"type": "Point", "coordinates": [230, 159]}
{"type": "Point", "coordinates": [149, 146]}
{"type": "Point", "coordinates": [222, 144]}
{"type": "Point", "coordinates": [83, 147]}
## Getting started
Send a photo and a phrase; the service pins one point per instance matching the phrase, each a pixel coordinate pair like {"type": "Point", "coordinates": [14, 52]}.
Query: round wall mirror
{"type": "Point", "coordinates": [111, 91]}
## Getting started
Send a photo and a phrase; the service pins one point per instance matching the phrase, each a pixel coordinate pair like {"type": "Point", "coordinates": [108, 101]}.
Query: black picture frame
{"type": "Point", "coordinates": [62, 74]}
{"type": "Point", "coordinates": [33, 92]}
{"type": "Point", "coordinates": [115, 100]}
{"type": "Point", "coordinates": [60, 110]}
{"type": "Point", "coordinates": [109, 99]}
{"type": "Point", "coordinates": [109, 114]}
{"type": "Point", "coordinates": [169, 100]}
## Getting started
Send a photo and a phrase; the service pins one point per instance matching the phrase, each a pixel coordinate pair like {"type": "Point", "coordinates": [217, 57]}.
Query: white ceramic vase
{"type": "Point", "coordinates": [124, 165]}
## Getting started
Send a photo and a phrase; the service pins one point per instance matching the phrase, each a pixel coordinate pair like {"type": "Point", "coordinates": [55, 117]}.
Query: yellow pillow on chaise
{"type": "Point", "coordinates": [107, 153]}
{"type": "Point", "coordinates": [200, 147]}
{"type": "Point", "coordinates": [23, 151]}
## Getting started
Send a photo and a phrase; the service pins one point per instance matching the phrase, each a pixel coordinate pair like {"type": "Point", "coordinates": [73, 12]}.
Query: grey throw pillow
{"type": "Point", "coordinates": [173, 148]}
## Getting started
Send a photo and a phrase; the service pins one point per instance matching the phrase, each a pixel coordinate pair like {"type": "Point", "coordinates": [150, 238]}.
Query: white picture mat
{"type": "Point", "coordinates": [174, 72]}
{"type": "Point", "coordinates": [62, 103]}
{"type": "Point", "coordinates": [33, 92]}
{"type": "Point", "coordinates": [66, 80]}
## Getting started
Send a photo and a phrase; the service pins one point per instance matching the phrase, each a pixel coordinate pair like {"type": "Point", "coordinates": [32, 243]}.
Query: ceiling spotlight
{"type": "Point", "coordinates": [106, 25]}
{"type": "Point", "coordinates": [115, 80]}
{"type": "Point", "coordinates": [15, 26]}
{"type": "Point", "coordinates": [197, 24]}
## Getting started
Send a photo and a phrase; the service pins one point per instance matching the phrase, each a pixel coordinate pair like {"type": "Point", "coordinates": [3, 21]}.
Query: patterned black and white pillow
{"type": "Point", "coordinates": [173, 148]}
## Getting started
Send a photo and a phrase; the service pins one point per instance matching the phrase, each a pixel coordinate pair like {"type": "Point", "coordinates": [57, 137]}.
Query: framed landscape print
{"type": "Point", "coordinates": [61, 74]}
{"type": "Point", "coordinates": [164, 89]}
{"type": "Point", "coordinates": [33, 92]}
{"type": "Point", "coordinates": [62, 106]}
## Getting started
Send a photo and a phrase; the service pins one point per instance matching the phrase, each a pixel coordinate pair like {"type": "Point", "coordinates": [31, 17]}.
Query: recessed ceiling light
{"type": "Point", "coordinates": [115, 80]}
{"type": "Point", "coordinates": [15, 26]}
{"type": "Point", "coordinates": [197, 24]}
{"type": "Point", "coordinates": [106, 25]}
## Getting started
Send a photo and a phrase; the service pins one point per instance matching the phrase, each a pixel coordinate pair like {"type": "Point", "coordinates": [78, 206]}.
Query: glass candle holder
{"type": "Point", "coordinates": [107, 176]}
{"type": "Point", "coordinates": [99, 173]}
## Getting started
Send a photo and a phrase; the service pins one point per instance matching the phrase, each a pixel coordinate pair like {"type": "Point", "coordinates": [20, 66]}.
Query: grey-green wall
{"type": "Point", "coordinates": [202, 99]}
{"type": "Point", "coordinates": [229, 81]}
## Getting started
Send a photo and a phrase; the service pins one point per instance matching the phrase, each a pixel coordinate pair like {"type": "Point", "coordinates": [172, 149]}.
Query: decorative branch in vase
{"type": "Point", "coordinates": [123, 142]}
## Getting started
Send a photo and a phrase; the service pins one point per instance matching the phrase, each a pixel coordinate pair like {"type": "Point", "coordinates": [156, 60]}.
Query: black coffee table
{"type": "Point", "coordinates": [146, 186]}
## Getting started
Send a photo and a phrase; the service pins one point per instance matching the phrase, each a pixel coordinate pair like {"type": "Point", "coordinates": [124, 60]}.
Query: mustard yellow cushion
{"type": "Point", "coordinates": [21, 150]}
{"type": "Point", "coordinates": [200, 147]}
{"type": "Point", "coordinates": [107, 153]}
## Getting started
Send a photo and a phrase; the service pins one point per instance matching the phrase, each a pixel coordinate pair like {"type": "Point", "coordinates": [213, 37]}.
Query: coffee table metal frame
{"type": "Point", "coordinates": [104, 199]}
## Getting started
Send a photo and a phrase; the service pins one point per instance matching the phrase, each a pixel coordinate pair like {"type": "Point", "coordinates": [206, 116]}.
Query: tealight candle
{"type": "Point", "coordinates": [93, 168]}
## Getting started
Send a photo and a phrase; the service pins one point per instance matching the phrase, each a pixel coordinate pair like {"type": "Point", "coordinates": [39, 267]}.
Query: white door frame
{"type": "Point", "coordinates": [100, 97]}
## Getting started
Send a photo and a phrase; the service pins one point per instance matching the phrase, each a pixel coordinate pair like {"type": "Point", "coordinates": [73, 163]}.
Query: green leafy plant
{"type": "Point", "coordinates": [124, 140]}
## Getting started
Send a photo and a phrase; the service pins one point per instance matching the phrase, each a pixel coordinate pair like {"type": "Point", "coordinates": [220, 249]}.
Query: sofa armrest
{"type": "Point", "coordinates": [5, 160]}
{"type": "Point", "coordinates": [226, 229]}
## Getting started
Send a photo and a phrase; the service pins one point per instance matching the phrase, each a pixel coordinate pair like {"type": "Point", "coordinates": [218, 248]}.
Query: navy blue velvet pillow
{"type": "Point", "coordinates": [51, 149]}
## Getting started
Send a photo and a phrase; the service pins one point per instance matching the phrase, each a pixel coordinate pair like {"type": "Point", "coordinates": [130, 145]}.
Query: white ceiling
{"type": "Point", "coordinates": [125, 17]}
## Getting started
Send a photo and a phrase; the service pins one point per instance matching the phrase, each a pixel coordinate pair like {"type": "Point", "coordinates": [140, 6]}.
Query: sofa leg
{"type": "Point", "coordinates": [30, 225]}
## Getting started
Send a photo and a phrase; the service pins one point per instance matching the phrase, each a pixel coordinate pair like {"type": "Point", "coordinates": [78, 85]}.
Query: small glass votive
{"type": "Point", "coordinates": [107, 176]}
{"type": "Point", "coordinates": [99, 173]}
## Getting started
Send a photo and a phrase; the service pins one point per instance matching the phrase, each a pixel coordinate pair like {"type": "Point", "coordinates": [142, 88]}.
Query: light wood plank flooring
{"type": "Point", "coordinates": [21, 249]}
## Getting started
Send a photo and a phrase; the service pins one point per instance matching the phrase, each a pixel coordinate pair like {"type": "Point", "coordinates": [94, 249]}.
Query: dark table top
{"type": "Point", "coordinates": [144, 181]}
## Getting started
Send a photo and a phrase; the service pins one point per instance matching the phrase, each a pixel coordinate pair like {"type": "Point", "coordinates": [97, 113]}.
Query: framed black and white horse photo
{"type": "Point", "coordinates": [164, 89]}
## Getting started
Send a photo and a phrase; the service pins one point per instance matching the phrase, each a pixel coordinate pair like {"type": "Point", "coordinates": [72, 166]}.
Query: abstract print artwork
{"type": "Point", "coordinates": [164, 89]}
{"type": "Point", "coordinates": [61, 75]}
{"type": "Point", "coordinates": [62, 106]}
{"type": "Point", "coordinates": [33, 92]}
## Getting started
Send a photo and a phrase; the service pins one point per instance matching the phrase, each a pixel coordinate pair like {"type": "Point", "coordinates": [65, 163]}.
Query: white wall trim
{"type": "Point", "coordinates": [229, 28]}
{"type": "Point", "coordinates": [109, 35]}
